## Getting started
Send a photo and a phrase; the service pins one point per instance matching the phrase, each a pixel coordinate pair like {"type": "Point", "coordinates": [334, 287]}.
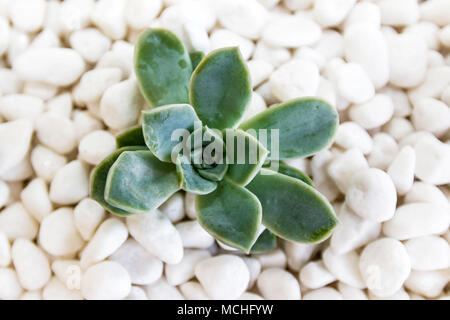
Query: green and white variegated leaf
{"type": "Point", "coordinates": [163, 68]}
{"type": "Point", "coordinates": [131, 137]}
{"type": "Point", "coordinates": [303, 126]}
{"type": "Point", "coordinates": [99, 176]}
{"type": "Point", "coordinates": [292, 209]}
{"type": "Point", "coordinates": [164, 126]}
{"type": "Point", "coordinates": [231, 213]}
{"type": "Point", "coordinates": [138, 182]}
{"type": "Point", "coordinates": [283, 168]}
{"type": "Point", "coordinates": [245, 156]}
{"type": "Point", "coordinates": [190, 180]}
{"type": "Point", "coordinates": [267, 241]}
{"type": "Point", "coordinates": [220, 88]}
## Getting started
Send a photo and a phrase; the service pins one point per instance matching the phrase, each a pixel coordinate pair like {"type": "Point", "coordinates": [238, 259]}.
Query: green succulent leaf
{"type": "Point", "coordinates": [245, 156]}
{"type": "Point", "coordinates": [190, 180]}
{"type": "Point", "coordinates": [292, 209]}
{"type": "Point", "coordinates": [220, 88]}
{"type": "Point", "coordinates": [160, 123]}
{"type": "Point", "coordinates": [138, 182]}
{"type": "Point", "coordinates": [283, 168]}
{"type": "Point", "coordinates": [163, 68]}
{"type": "Point", "coordinates": [305, 126]}
{"type": "Point", "coordinates": [99, 176]}
{"type": "Point", "coordinates": [131, 137]}
{"type": "Point", "coordinates": [231, 213]}
{"type": "Point", "coordinates": [196, 58]}
{"type": "Point", "coordinates": [215, 173]}
{"type": "Point", "coordinates": [267, 241]}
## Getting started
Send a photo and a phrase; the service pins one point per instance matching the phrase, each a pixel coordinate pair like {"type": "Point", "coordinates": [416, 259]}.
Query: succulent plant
{"type": "Point", "coordinates": [239, 193]}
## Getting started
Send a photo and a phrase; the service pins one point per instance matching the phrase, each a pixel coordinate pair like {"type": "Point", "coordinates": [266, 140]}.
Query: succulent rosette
{"type": "Point", "coordinates": [193, 139]}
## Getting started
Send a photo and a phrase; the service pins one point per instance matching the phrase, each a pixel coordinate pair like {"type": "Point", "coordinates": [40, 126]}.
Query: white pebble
{"type": "Point", "coordinates": [374, 113]}
{"type": "Point", "coordinates": [424, 192]}
{"type": "Point", "coordinates": [120, 56]}
{"type": "Point", "coordinates": [273, 259]}
{"type": "Point", "coordinates": [402, 106]}
{"type": "Point", "coordinates": [407, 60]}
{"type": "Point", "coordinates": [56, 132]}
{"type": "Point", "coordinates": [109, 16]}
{"type": "Point", "coordinates": [344, 267]}
{"type": "Point", "coordinates": [298, 254]}
{"type": "Point", "coordinates": [398, 128]}
{"type": "Point", "coordinates": [344, 166]}
{"type": "Point", "coordinates": [428, 253]}
{"type": "Point", "coordinates": [364, 13]}
{"type": "Point", "coordinates": [70, 184]}
{"type": "Point", "coordinates": [432, 161]}
{"type": "Point", "coordinates": [427, 283]}
{"type": "Point", "coordinates": [257, 105]}
{"type": "Point", "coordinates": [31, 295]}
{"type": "Point", "coordinates": [140, 13]}
{"type": "Point", "coordinates": [56, 290]}
{"type": "Point", "coordinates": [173, 208]}
{"type": "Point", "coordinates": [399, 12]}
{"type": "Point", "coordinates": [291, 31]}
{"type": "Point", "coordinates": [254, 267]}
{"type": "Point", "coordinates": [5, 251]}
{"type": "Point", "coordinates": [444, 36]}
{"type": "Point", "coordinates": [314, 275]}
{"type": "Point", "coordinates": [246, 18]}
{"type": "Point", "coordinates": [94, 83]}
{"type": "Point", "coordinates": [278, 284]}
{"type": "Point", "coordinates": [106, 280]}
{"type": "Point", "coordinates": [351, 293]}
{"type": "Point", "coordinates": [223, 276]}
{"type": "Point", "coordinates": [88, 214]}
{"type": "Point", "coordinates": [192, 290]}
{"type": "Point", "coordinates": [19, 106]}
{"type": "Point", "coordinates": [183, 271]}
{"type": "Point", "coordinates": [384, 265]}
{"type": "Point", "coordinates": [222, 38]}
{"type": "Point", "coordinates": [365, 45]}
{"type": "Point", "coordinates": [431, 115]}
{"type": "Point", "coordinates": [325, 293]}
{"type": "Point", "coordinates": [351, 135]}
{"type": "Point", "coordinates": [161, 290]}
{"type": "Point", "coordinates": [401, 170]}
{"type": "Point", "coordinates": [353, 231]}
{"type": "Point", "coordinates": [259, 70]}
{"type": "Point", "coordinates": [10, 288]}
{"type": "Point", "coordinates": [61, 104]}
{"type": "Point", "coordinates": [58, 234]}
{"type": "Point", "coordinates": [96, 146]}
{"type": "Point", "coordinates": [4, 193]}
{"type": "Point", "coordinates": [436, 80]}
{"type": "Point", "coordinates": [12, 151]}
{"type": "Point", "coordinates": [155, 232]}
{"type": "Point", "coordinates": [54, 66]}
{"type": "Point", "coordinates": [90, 43]}
{"type": "Point", "coordinates": [276, 56]}
{"type": "Point", "coordinates": [121, 104]}
{"type": "Point", "coordinates": [36, 200]}
{"type": "Point", "coordinates": [68, 272]}
{"type": "Point", "coordinates": [27, 15]}
{"type": "Point", "coordinates": [10, 82]}
{"type": "Point", "coordinates": [196, 38]}
{"type": "Point", "coordinates": [436, 11]}
{"type": "Point", "coordinates": [417, 219]}
{"type": "Point", "coordinates": [5, 33]}
{"type": "Point", "coordinates": [353, 83]}
{"type": "Point", "coordinates": [295, 79]}
{"type": "Point", "coordinates": [189, 206]}
{"type": "Point", "coordinates": [84, 123]}
{"type": "Point", "coordinates": [330, 13]}
{"type": "Point", "coordinates": [136, 293]}
{"type": "Point", "coordinates": [31, 264]}
{"type": "Point", "coordinates": [111, 234]}
{"type": "Point", "coordinates": [16, 222]}
{"type": "Point", "coordinates": [193, 235]}
{"type": "Point", "coordinates": [46, 162]}
{"type": "Point", "coordinates": [143, 267]}
{"type": "Point", "coordinates": [330, 44]}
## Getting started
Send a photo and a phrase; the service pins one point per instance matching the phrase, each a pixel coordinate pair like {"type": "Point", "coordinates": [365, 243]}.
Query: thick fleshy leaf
{"type": "Point", "coordinates": [220, 88]}
{"type": "Point", "coordinates": [283, 168]}
{"type": "Point", "coordinates": [215, 173]}
{"type": "Point", "coordinates": [131, 137]}
{"type": "Point", "coordinates": [245, 156]}
{"type": "Point", "coordinates": [160, 123]}
{"type": "Point", "coordinates": [266, 241]}
{"type": "Point", "coordinates": [189, 179]}
{"type": "Point", "coordinates": [196, 58]}
{"type": "Point", "coordinates": [163, 68]}
{"type": "Point", "coordinates": [138, 182]}
{"type": "Point", "coordinates": [305, 126]}
{"type": "Point", "coordinates": [99, 176]}
{"type": "Point", "coordinates": [292, 209]}
{"type": "Point", "coordinates": [231, 213]}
